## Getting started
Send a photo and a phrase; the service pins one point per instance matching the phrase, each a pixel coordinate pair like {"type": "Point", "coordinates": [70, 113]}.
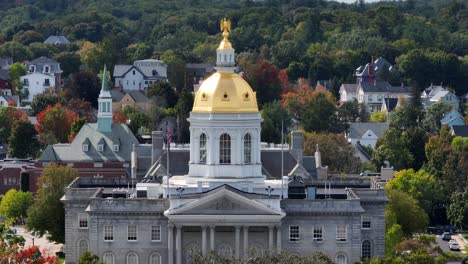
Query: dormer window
{"type": "Point", "coordinates": [32, 68]}
{"type": "Point", "coordinates": [85, 147]}
{"type": "Point", "coordinates": [154, 72]}
{"type": "Point", "coordinates": [116, 148]}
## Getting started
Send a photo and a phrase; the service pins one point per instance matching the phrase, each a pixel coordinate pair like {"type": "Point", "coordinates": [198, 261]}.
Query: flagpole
{"type": "Point", "coordinates": [282, 160]}
{"type": "Point", "coordinates": [168, 146]}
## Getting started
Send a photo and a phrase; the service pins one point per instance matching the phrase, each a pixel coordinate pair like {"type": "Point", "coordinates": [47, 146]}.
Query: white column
{"type": "Point", "coordinates": [170, 244]}
{"type": "Point", "coordinates": [237, 241]}
{"type": "Point", "coordinates": [212, 237]}
{"type": "Point", "coordinates": [270, 239]}
{"type": "Point", "coordinates": [246, 242]}
{"type": "Point", "coordinates": [203, 240]}
{"type": "Point", "coordinates": [278, 239]}
{"type": "Point", "coordinates": [179, 245]}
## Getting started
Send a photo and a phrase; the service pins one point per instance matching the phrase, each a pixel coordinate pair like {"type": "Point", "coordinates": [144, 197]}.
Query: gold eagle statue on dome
{"type": "Point", "coordinates": [225, 25]}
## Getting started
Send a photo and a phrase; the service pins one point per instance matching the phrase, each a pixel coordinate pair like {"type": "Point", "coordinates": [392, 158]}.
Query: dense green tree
{"type": "Point", "coordinates": [41, 101]}
{"type": "Point", "coordinates": [136, 120]}
{"type": "Point", "coordinates": [23, 140]}
{"type": "Point", "coordinates": [15, 50]}
{"type": "Point", "coordinates": [69, 62]}
{"type": "Point", "coordinates": [163, 93]}
{"type": "Point", "coordinates": [182, 110]}
{"type": "Point", "coordinates": [437, 152]}
{"type": "Point", "coordinates": [392, 147]}
{"type": "Point", "coordinates": [83, 85]}
{"type": "Point", "coordinates": [457, 211]}
{"type": "Point", "coordinates": [16, 71]}
{"type": "Point", "coordinates": [47, 215]}
{"type": "Point", "coordinates": [89, 258]}
{"type": "Point", "coordinates": [274, 117]}
{"type": "Point", "coordinates": [8, 116]}
{"type": "Point", "coordinates": [434, 114]}
{"type": "Point", "coordinates": [409, 215]}
{"type": "Point", "coordinates": [379, 116]}
{"type": "Point", "coordinates": [283, 258]}
{"type": "Point", "coordinates": [15, 204]}
{"type": "Point", "coordinates": [175, 69]}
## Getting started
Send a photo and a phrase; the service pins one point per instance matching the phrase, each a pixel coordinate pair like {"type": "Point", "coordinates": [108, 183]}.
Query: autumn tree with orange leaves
{"type": "Point", "coordinates": [54, 124]}
{"type": "Point", "coordinates": [315, 109]}
{"type": "Point", "coordinates": [8, 117]}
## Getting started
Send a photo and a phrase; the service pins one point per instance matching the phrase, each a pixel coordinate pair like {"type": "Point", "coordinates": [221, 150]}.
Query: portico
{"type": "Point", "coordinates": [224, 220]}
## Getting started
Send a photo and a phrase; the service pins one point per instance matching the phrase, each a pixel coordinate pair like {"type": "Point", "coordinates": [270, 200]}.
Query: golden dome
{"type": "Point", "coordinates": [225, 92]}
{"type": "Point", "coordinates": [224, 45]}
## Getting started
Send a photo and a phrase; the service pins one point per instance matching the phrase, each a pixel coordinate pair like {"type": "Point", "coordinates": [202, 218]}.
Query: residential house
{"type": "Point", "coordinates": [197, 72]}
{"type": "Point", "coordinates": [373, 94]}
{"type": "Point", "coordinates": [434, 94]}
{"type": "Point", "coordinates": [453, 118]}
{"type": "Point", "coordinates": [136, 99]}
{"type": "Point", "coordinates": [56, 40]}
{"type": "Point", "coordinates": [140, 75]}
{"type": "Point", "coordinates": [10, 174]}
{"type": "Point", "coordinates": [459, 131]}
{"type": "Point", "coordinates": [43, 75]}
{"type": "Point", "coordinates": [370, 71]}
{"type": "Point", "coordinates": [101, 149]}
{"type": "Point", "coordinates": [366, 134]}
{"type": "Point", "coordinates": [6, 100]}
{"type": "Point", "coordinates": [5, 63]}
{"type": "Point", "coordinates": [5, 82]}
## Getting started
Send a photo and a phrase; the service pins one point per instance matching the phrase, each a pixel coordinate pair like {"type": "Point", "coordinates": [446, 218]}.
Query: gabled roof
{"type": "Point", "coordinates": [380, 62]}
{"type": "Point", "coordinates": [4, 75]}
{"type": "Point", "coordinates": [357, 130]}
{"type": "Point", "coordinates": [383, 87]}
{"type": "Point", "coordinates": [146, 71]}
{"type": "Point", "coordinates": [73, 152]}
{"type": "Point", "coordinates": [43, 60]}
{"type": "Point", "coordinates": [349, 87]}
{"type": "Point", "coordinates": [56, 40]}
{"type": "Point", "coordinates": [451, 116]}
{"type": "Point", "coordinates": [6, 62]}
{"type": "Point", "coordinates": [460, 131]}
{"type": "Point", "coordinates": [137, 96]}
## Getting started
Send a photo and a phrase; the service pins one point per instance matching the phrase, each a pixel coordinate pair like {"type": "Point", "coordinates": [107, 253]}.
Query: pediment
{"type": "Point", "coordinates": [225, 202]}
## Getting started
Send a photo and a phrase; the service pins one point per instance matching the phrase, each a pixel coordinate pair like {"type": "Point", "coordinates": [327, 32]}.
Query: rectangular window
{"type": "Point", "coordinates": [341, 233]}
{"type": "Point", "coordinates": [83, 221]}
{"type": "Point", "coordinates": [132, 233]}
{"type": "Point", "coordinates": [318, 236]}
{"type": "Point", "coordinates": [366, 222]}
{"type": "Point", "coordinates": [294, 233]}
{"type": "Point", "coordinates": [108, 233]}
{"type": "Point", "coordinates": [155, 233]}
{"type": "Point", "coordinates": [85, 147]}
{"type": "Point", "coordinates": [116, 148]}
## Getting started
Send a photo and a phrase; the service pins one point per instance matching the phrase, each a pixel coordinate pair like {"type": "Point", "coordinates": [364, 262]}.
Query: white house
{"type": "Point", "coordinates": [43, 74]}
{"type": "Point", "coordinates": [366, 134]}
{"type": "Point", "coordinates": [140, 75]}
{"type": "Point", "coordinates": [434, 94]}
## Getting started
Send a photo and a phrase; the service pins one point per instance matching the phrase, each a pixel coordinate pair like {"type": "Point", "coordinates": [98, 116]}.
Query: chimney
{"type": "Point", "coordinates": [322, 172]}
{"type": "Point", "coordinates": [297, 145]}
{"type": "Point", "coordinates": [134, 163]}
{"type": "Point", "coordinates": [318, 157]}
{"type": "Point", "coordinates": [157, 139]}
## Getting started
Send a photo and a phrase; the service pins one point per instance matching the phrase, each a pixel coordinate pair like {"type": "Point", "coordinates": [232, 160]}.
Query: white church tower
{"type": "Point", "coordinates": [104, 117]}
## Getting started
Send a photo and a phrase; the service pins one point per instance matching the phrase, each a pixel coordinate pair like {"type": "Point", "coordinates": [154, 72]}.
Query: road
{"type": "Point", "coordinates": [43, 243]}
{"type": "Point", "coordinates": [444, 244]}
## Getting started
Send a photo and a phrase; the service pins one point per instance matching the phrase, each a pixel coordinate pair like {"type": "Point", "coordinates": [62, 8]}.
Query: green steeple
{"type": "Point", "coordinates": [105, 81]}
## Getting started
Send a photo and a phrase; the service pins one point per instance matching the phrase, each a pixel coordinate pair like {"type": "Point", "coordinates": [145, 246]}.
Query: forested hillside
{"type": "Point", "coordinates": [312, 39]}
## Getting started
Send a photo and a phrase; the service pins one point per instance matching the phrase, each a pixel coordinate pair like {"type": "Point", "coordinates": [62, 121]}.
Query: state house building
{"type": "Point", "coordinates": [227, 192]}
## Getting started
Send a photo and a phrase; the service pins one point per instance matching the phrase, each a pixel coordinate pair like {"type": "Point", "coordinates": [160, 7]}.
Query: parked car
{"type": "Point", "coordinates": [454, 246]}
{"type": "Point", "coordinates": [452, 241]}
{"type": "Point", "coordinates": [446, 236]}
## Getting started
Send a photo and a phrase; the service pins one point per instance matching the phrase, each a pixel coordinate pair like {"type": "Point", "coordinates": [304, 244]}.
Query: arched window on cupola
{"type": "Point", "coordinates": [247, 148]}
{"type": "Point", "coordinates": [202, 148]}
{"type": "Point", "coordinates": [225, 149]}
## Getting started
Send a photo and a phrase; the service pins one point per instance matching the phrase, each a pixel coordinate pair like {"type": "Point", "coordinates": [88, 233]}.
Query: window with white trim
{"type": "Point", "coordinates": [108, 258]}
{"type": "Point", "coordinates": [341, 233]}
{"type": "Point", "coordinates": [247, 149]}
{"type": "Point", "coordinates": [132, 258]}
{"type": "Point", "coordinates": [225, 149]}
{"type": "Point", "coordinates": [294, 233]}
{"type": "Point", "coordinates": [366, 250]}
{"type": "Point", "coordinates": [108, 233]}
{"type": "Point", "coordinates": [202, 148]}
{"type": "Point", "coordinates": [318, 235]}
{"type": "Point", "coordinates": [365, 221]}
{"type": "Point", "coordinates": [132, 233]}
{"type": "Point", "coordinates": [116, 148]}
{"type": "Point", "coordinates": [155, 233]}
{"type": "Point", "coordinates": [85, 147]}
{"type": "Point", "coordinates": [83, 221]}
{"type": "Point", "coordinates": [100, 147]}
{"type": "Point", "coordinates": [155, 258]}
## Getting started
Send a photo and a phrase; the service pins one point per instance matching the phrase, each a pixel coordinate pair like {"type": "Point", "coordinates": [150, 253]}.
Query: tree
{"type": "Point", "coordinates": [54, 124]}
{"type": "Point", "coordinates": [392, 147]}
{"type": "Point", "coordinates": [8, 116]}
{"type": "Point", "coordinates": [83, 85]}
{"type": "Point", "coordinates": [136, 120]}
{"type": "Point", "coordinates": [163, 93]}
{"type": "Point", "coordinates": [28, 37]}
{"type": "Point", "coordinates": [182, 109]}
{"type": "Point", "coordinates": [264, 79]}
{"type": "Point", "coordinates": [82, 108]}
{"type": "Point", "coordinates": [457, 211]}
{"type": "Point", "coordinates": [437, 151]}
{"type": "Point", "coordinates": [408, 214]}
{"type": "Point", "coordinates": [419, 184]}
{"type": "Point", "coordinates": [69, 62]}
{"type": "Point", "coordinates": [16, 71]}
{"type": "Point", "coordinates": [47, 215]}
{"type": "Point", "coordinates": [434, 114]}
{"type": "Point", "coordinates": [41, 101]}
{"type": "Point", "coordinates": [23, 140]}
{"type": "Point", "coordinates": [352, 111]}
{"type": "Point", "coordinates": [283, 258]}
{"type": "Point", "coordinates": [336, 152]}
{"type": "Point", "coordinates": [89, 258]}
{"type": "Point", "coordinates": [274, 116]}
{"type": "Point", "coordinates": [379, 117]}
{"type": "Point", "coordinates": [15, 204]}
